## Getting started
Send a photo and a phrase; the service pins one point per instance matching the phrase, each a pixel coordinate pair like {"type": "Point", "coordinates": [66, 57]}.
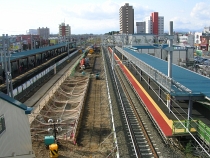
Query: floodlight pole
{"type": "Point", "coordinates": [170, 54]}
{"type": "Point", "coordinates": [170, 49]}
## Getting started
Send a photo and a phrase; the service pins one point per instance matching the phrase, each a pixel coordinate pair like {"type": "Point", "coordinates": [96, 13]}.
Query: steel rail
{"type": "Point", "coordinates": [117, 88]}
{"type": "Point", "coordinates": [137, 117]}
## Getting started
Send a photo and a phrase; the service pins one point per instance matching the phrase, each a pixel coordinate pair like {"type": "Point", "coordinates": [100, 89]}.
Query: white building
{"type": "Point", "coordinates": [160, 25]}
{"type": "Point", "coordinates": [15, 136]}
{"type": "Point", "coordinates": [148, 24]}
{"type": "Point", "coordinates": [197, 39]}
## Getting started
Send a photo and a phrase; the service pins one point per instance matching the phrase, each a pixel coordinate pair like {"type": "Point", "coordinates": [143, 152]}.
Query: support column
{"type": "Point", "coordinates": [168, 97]}
{"type": "Point", "coordinates": [113, 58]}
{"type": "Point", "coordinates": [140, 75]}
{"type": "Point", "coordinates": [136, 70]}
{"type": "Point", "coordinates": [159, 93]}
{"type": "Point", "coordinates": [190, 104]}
{"type": "Point", "coordinates": [149, 82]}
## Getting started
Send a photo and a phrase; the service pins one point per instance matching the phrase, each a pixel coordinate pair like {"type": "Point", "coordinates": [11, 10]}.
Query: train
{"type": "Point", "coordinates": [25, 67]}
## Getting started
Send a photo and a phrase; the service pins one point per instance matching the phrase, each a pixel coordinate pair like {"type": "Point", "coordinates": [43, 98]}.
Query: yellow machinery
{"type": "Point", "coordinates": [53, 150]}
{"type": "Point", "coordinates": [80, 50]}
{"type": "Point", "coordinates": [91, 51]}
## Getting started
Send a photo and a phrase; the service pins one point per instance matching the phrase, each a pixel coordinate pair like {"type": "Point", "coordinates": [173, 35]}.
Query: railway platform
{"type": "Point", "coordinates": [168, 121]}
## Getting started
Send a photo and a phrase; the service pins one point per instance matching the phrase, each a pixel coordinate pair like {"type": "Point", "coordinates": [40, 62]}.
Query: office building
{"type": "Point", "coordinates": [126, 14]}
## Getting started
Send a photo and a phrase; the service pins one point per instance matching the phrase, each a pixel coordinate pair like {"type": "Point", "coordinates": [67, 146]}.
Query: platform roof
{"type": "Point", "coordinates": [198, 84]}
{"type": "Point", "coordinates": [159, 46]}
{"type": "Point", "coordinates": [155, 46]}
{"type": "Point", "coordinates": [35, 51]}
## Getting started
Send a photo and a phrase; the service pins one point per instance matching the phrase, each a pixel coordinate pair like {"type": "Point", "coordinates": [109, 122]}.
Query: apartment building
{"type": "Point", "coordinates": [140, 27]}
{"type": "Point", "coordinates": [154, 24]}
{"type": "Point", "coordinates": [126, 14]}
{"type": "Point", "coordinates": [64, 30]}
{"type": "Point", "coordinates": [43, 32]}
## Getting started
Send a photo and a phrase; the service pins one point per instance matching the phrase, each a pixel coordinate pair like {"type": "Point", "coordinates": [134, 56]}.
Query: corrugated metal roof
{"type": "Point", "coordinates": [155, 46]}
{"type": "Point", "coordinates": [35, 51]}
{"type": "Point", "coordinates": [198, 84]}
{"type": "Point", "coordinates": [15, 103]}
{"type": "Point", "coordinates": [158, 46]}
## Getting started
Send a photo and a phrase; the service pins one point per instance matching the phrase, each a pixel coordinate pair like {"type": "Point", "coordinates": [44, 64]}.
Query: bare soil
{"type": "Point", "coordinates": [95, 138]}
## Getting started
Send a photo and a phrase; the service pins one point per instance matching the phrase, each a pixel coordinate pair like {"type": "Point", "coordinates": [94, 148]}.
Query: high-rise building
{"type": "Point", "coordinates": [64, 30]}
{"type": "Point", "coordinates": [155, 24]}
{"type": "Point", "coordinates": [43, 32]}
{"type": "Point", "coordinates": [160, 25]}
{"type": "Point", "coordinates": [154, 18]}
{"type": "Point", "coordinates": [148, 24]}
{"type": "Point", "coordinates": [140, 27]}
{"type": "Point", "coordinates": [126, 14]}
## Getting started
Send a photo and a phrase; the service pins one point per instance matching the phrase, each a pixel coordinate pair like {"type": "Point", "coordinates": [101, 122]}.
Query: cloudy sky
{"type": "Point", "coordinates": [98, 16]}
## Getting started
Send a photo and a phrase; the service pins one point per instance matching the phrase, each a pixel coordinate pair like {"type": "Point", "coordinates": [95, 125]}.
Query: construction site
{"type": "Point", "coordinates": [75, 114]}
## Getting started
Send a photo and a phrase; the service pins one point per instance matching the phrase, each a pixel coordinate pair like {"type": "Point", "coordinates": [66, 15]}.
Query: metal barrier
{"type": "Point", "coordinates": [158, 76]}
{"type": "Point", "coordinates": [180, 127]}
{"type": "Point", "coordinates": [203, 131]}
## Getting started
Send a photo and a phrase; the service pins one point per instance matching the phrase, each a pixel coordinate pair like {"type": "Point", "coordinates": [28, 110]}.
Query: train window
{"type": "Point", "coordinates": [2, 124]}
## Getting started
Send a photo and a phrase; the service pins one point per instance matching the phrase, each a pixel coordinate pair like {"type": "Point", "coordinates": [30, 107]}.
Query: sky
{"type": "Point", "coordinates": [98, 16]}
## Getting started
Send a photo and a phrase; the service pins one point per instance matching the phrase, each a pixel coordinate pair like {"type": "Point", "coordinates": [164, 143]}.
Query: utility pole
{"type": "Point", "coordinates": [31, 42]}
{"type": "Point", "coordinates": [21, 47]}
{"type": "Point", "coordinates": [7, 66]}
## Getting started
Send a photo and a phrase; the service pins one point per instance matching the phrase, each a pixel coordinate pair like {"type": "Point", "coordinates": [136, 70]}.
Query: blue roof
{"type": "Point", "coordinates": [198, 84]}
{"type": "Point", "coordinates": [154, 46]}
{"type": "Point", "coordinates": [35, 51]}
{"type": "Point", "coordinates": [15, 103]}
{"type": "Point", "coordinates": [157, 46]}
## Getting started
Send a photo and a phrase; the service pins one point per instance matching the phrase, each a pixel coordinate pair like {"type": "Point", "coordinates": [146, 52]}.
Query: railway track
{"type": "Point", "coordinates": [138, 138]}
{"type": "Point", "coordinates": [151, 136]}
{"type": "Point", "coordinates": [137, 129]}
